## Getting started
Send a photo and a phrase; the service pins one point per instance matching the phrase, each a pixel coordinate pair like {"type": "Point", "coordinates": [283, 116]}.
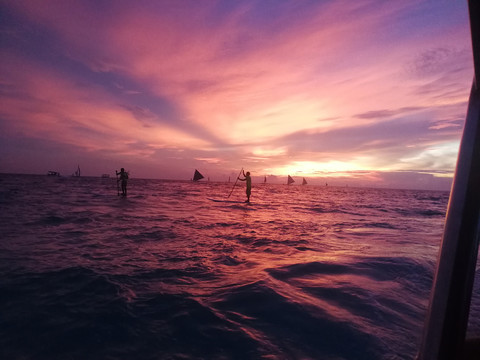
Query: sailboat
{"type": "Point", "coordinates": [290, 180]}
{"type": "Point", "coordinates": [197, 176]}
{"type": "Point", "coordinates": [304, 182]}
{"type": "Point", "coordinates": [77, 172]}
{"type": "Point", "coordinates": [265, 180]}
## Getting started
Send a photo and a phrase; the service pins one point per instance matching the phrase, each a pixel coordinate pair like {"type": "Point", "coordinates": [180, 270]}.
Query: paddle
{"type": "Point", "coordinates": [118, 185]}
{"type": "Point", "coordinates": [235, 183]}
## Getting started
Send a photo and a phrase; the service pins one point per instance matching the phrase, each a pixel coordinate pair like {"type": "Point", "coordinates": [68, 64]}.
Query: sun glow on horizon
{"type": "Point", "coordinates": [316, 169]}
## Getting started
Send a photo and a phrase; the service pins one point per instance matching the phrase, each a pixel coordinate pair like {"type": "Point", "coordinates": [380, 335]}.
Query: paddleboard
{"type": "Point", "coordinates": [228, 201]}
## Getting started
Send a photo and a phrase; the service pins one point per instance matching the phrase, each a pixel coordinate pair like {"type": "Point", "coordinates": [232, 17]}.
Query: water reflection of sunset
{"type": "Point", "coordinates": [167, 262]}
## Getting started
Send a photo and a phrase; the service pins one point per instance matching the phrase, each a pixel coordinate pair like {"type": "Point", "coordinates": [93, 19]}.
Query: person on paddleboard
{"type": "Point", "coordinates": [248, 179]}
{"type": "Point", "coordinates": [123, 177]}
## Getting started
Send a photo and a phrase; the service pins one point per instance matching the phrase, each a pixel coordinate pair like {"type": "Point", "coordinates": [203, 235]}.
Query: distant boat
{"type": "Point", "coordinates": [265, 180]}
{"type": "Point", "coordinates": [77, 172]}
{"type": "Point", "coordinates": [290, 180]}
{"type": "Point", "coordinates": [105, 175]}
{"type": "Point", "coordinates": [53, 173]}
{"type": "Point", "coordinates": [197, 176]}
{"type": "Point", "coordinates": [304, 182]}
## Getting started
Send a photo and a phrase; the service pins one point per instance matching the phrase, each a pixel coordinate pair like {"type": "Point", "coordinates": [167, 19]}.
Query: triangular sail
{"type": "Point", "coordinates": [290, 180]}
{"type": "Point", "coordinates": [197, 176]}
{"type": "Point", "coordinates": [304, 182]}
{"type": "Point", "coordinates": [265, 180]}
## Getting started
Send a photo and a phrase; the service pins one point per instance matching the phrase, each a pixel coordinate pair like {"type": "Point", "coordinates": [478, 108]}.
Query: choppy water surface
{"type": "Point", "coordinates": [303, 272]}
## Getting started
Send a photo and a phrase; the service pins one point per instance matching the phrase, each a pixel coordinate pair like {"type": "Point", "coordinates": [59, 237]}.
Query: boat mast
{"type": "Point", "coordinates": [447, 317]}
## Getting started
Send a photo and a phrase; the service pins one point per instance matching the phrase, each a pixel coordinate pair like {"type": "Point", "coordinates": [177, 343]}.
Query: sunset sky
{"type": "Point", "coordinates": [367, 93]}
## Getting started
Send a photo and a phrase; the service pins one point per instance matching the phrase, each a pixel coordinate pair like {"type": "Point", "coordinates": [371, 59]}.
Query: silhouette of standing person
{"type": "Point", "coordinates": [248, 179]}
{"type": "Point", "coordinates": [123, 178]}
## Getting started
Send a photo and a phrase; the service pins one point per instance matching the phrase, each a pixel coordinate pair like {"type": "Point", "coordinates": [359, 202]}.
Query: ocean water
{"type": "Point", "coordinates": [303, 272]}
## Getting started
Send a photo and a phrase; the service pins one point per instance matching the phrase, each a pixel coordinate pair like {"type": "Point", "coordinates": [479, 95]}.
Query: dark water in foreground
{"type": "Point", "coordinates": [302, 273]}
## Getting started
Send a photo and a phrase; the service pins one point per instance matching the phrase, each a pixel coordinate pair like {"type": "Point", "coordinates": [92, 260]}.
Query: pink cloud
{"type": "Point", "coordinates": [47, 105]}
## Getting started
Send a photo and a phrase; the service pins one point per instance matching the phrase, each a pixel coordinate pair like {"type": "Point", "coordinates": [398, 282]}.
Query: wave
{"type": "Point", "coordinates": [421, 212]}
{"type": "Point", "coordinates": [366, 292]}
{"type": "Point", "coordinates": [76, 313]}
{"type": "Point", "coordinates": [292, 328]}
